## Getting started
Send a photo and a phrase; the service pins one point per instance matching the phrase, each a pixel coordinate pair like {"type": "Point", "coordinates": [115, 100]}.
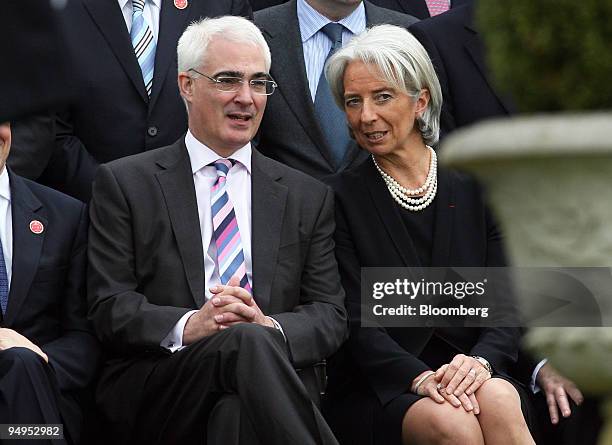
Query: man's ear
{"type": "Point", "coordinates": [185, 84]}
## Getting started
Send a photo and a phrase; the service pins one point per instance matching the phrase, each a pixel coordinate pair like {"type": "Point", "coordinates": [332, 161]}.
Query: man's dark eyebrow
{"type": "Point", "coordinates": [229, 74]}
{"type": "Point", "coordinates": [240, 74]}
{"type": "Point", "coordinates": [261, 75]}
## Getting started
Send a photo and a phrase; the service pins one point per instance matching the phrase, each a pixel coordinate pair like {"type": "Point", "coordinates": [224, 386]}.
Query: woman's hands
{"type": "Point", "coordinates": [463, 374]}
{"type": "Point", "coordinates": [455, 382]}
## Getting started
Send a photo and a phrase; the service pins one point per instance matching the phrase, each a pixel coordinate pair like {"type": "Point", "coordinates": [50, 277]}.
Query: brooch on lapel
{"type": "Point", "coordinates": [36, 227]}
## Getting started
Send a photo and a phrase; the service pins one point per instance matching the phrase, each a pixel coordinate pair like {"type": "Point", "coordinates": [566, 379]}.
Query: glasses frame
{"type": "Point", "coordinates": [217, 83]}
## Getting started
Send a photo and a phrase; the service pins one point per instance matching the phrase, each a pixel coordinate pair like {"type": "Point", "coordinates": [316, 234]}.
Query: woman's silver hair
{"type": "Point", "coordinates": [403, 63]}
{"type": "Point", "coordinates": [192, 46]}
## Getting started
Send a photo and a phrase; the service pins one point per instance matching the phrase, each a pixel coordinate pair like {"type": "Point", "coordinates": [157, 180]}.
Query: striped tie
{"type": "Point", "coordinates": [437, 6]}
{"type": "Point", "coordinates": [4, 289]}
{"type": "Point", "coordinates": [143, 43]}
{"type": "Point", "coordinates": [230, 257]}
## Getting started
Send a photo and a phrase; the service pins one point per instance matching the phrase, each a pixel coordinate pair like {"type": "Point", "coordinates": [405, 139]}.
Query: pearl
{"type": "Point", "coordinates": [406, 197]}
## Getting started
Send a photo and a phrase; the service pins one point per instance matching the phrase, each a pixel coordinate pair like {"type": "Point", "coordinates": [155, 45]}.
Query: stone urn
{"type": "Point", "coordinates": [549, 182]}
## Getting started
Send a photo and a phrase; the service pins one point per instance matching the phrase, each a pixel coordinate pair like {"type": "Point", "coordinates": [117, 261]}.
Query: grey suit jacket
{"type": "Point", "coordinates": [146, 265]}
{"type": "Point", "coordinates": [290, 132]}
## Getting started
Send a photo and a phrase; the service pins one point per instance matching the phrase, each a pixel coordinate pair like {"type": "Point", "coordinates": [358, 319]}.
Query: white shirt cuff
{"type": "Point", "coordinates": [174, 340]}
{"type": "Point", "coordinates": [535, 388]}
{"type": "Point", "coordinates": [279, 327]}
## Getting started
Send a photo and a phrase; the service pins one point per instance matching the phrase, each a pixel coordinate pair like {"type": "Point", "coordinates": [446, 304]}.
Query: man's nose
{"type": "Point", "coordinates": [244, 94]}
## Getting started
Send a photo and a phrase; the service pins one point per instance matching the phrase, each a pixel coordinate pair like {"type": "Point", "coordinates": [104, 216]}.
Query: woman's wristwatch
{"type": "Point", "coordinates": [484, 362]}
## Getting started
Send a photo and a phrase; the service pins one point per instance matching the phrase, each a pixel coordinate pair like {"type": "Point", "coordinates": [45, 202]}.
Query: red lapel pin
{"type": "Point", "coordinates": [180, 4]}
{"type": "Point", "coordinates": [36, 227]}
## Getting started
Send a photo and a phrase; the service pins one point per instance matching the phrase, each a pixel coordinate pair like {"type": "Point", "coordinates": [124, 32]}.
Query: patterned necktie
{"type": "Point", "coordinates": [4, 288]}
{"type": "Point", "coordinates": [437, 6]}
{"type": "Point", "coordinates": [331, 118]}
{"type": "Point", "coordinates": [143, 43]}
{"type": "Point", "coordinates": [230, 257]}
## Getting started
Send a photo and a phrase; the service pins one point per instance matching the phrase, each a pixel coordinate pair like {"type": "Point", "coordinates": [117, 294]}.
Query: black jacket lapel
{"type": "Point", "coordinates": [27, 246]}
{"type": "Point", "coordinates": [268, 199]}
{"type": "Point", "coordinates": [444, 220]}
{"type": "Point", "coordinates": [171, 25]}
{"type": "Point", "coordinates": [179, 192]}
{"type": "Point", "coordinates": [107, 15]}
{"type": "Point", "coordinates": [475, 48]}
{"type": "Point", "coordinates": [389, 214]}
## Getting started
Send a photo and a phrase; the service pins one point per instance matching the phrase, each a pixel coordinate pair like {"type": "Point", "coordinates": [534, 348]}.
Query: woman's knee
{"type": "Point", "coordinates": [428, 422]}
{"type": "Point", "coordinates": [498, 393]}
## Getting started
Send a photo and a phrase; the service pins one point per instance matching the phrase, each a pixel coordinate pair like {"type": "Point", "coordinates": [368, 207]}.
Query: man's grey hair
{"type": "Point", "coordinates": [192, 46]}
{"type": "Point", "coordinates": [403, 63]}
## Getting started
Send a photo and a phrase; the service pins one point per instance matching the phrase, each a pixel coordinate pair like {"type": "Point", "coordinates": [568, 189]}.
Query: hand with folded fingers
{"type": "Point", "coordinates": [236, 305]}
{"type": "Point", "coordinates": [427, 384]}
{"type": "Point", "coordinates": [464, 374]}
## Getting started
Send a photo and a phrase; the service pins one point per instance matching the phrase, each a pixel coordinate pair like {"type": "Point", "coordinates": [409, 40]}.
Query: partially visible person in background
{"type": "Point", "coordinates": [458, 55]}
{"type": "Point", "coordinates": [48, 353]}
{"type": "Point", "coordinates": [126, 100]}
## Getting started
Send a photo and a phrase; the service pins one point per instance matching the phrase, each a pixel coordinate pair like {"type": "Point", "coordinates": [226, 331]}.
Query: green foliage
{"type": "Point", "coordinates": [551, 55]}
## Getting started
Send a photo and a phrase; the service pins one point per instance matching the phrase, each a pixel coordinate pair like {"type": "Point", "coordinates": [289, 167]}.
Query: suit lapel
{"type": "Point", "coordinates": [444, 219]}
{"type": "Point", "coordinates": [268, 199]}
{"type": "Point", "coordinates": [289, 71]}
{"type": "Point", "coordinates": [27, 246]}
{"type": "Point", "coordinates": [172, 22]}
{"type": "Point", "coordinates": [475, 48]}
{"type": "Point", "coordinates": [109, 19]}
{"type": "Point", "coordinates": [389, 214]}
{"type": "Point", "coordinates": [176, 183]}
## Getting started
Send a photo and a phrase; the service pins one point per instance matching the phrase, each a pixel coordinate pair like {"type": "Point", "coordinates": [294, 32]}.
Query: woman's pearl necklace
{"type": "Point", "coordinates": [406, 197]}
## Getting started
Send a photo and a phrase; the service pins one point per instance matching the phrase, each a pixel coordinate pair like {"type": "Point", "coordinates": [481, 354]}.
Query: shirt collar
{"type": "Point", "coordinates": [5, 189]}
{"type": "Point", "coordinates": [201, 155]}
{"type": "Point", "coordinates": [122, 3]}
{"type": "Point", "coordinates": [311, 21]}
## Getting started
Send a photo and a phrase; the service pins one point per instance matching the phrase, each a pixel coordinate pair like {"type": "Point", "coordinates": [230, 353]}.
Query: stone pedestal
{"type": "Point", "coordinates": [549, 182]}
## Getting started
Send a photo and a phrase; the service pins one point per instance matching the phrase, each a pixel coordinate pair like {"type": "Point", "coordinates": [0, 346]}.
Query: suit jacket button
{"type": "Point", "coordinates": [152, 131]}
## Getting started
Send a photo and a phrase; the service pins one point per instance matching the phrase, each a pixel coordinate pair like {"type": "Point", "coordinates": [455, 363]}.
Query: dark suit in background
{"type": "Point", "coordinates": [33, 59]}
{"type": "Point", "coordinates": [263, 4]}
{"type": "Point", "coordinates": [417, 8]}
{"type": "Point", "coordinates": [111, 115]}
{"type": "Point", "coordinates": [458, 55]}
{"type": "Point", "coordinates": [147, 271]}
{"type": "Point", "coordinates": [32, 144]}
{"type": "Point", "coordinates": [290, 132]}
{"type": "Point", "coordinates": [47, 304]}
{"type": "Point", "coordinates": [376, 365]}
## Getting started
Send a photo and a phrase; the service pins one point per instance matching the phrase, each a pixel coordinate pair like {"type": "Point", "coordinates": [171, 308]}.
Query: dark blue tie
{"type": "Point", "coordinates": [4, 288]}
{"type": "Point", "coordinates": [331, 118]}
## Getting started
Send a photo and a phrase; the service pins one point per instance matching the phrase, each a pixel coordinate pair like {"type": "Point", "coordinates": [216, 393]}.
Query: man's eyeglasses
{"type": "Point", "coordinates": [231, 84]}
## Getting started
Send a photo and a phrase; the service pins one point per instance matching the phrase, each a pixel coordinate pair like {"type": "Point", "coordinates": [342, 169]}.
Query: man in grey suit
{"type": "Point", "coordinates": [294, 130]}
{"type": "Point", "coordinates": [212, 273]}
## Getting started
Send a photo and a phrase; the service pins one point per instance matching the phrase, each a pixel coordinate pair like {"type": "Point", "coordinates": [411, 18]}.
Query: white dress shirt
{"type": "Point", "coordinates": [238, 187]}
{"type": "Point", "coordinates": [6, 223]}
{"type": "Point", "coordinates": [150, 13]}
{"type": "Point", "coordinates": [316, 44]}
